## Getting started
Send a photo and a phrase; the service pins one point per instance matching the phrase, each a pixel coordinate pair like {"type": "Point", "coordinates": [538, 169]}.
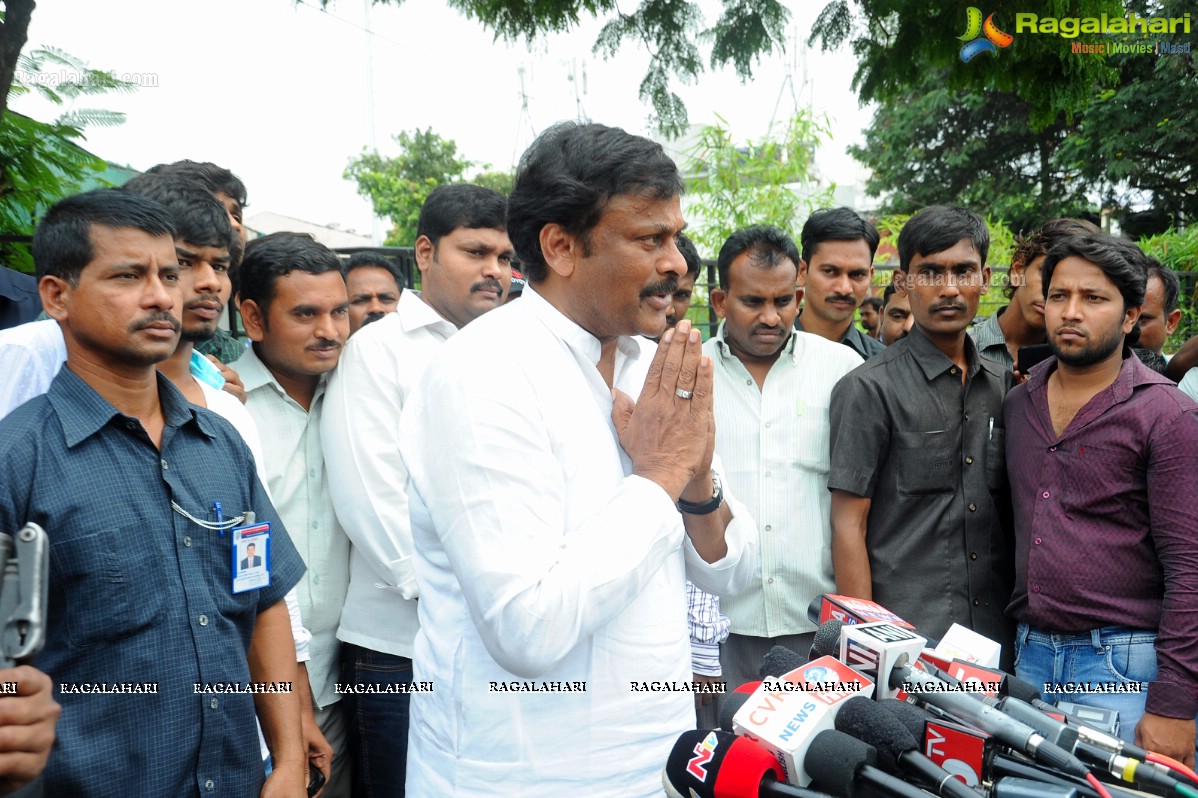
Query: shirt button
{"type": "Point", "coordinates": [316, 525]}
{"type": "Point", "coordinates": [1045, 495]}
{"type": "Point", "coordinates": [973, 555]}
{"type": "Point", "coordinates": [767, 425]}
{"type": "Point", "coordinates": [768, 527]}
{"type": "Point", "coordinates": [770, 580]}
{"type": "Point", "coordinates": [187, 542]}
{"type": "Point", "coordinates": [953, 370]}
{"type": "Point", "coordinates": [209, 785]}
{"type": "Point", "coordinates": [767, 473]}
{"type": "Point", "coordinates": [968, 461]}
{"type": "Point", "coordinates": [203, 620]}
{"type": "Point", "coordinates": [1052, 448]}
{"type": "Point", "coordinates": [1038, 541]}
{"type": "Point", "coordinates": [312, 473]}
{"type": "Point", "coordinates": [214, 703]}
{"type": "Point", "coordinates": [749, 381]}
{"type": "Point", "coordinates": [1035, 588]}
{"type": "Point", "coordinates": [973, 508]}
{"type": "Point", "coordinates": [164, 465]}
{"type": "Point", "coordinates": [977, 603]}
{"type": "Point", "coordinates": [316, 579]}
{"type": "Point", "coordinates": [130, 425]}
{"type": "Point", "coordinates": [966, 418]}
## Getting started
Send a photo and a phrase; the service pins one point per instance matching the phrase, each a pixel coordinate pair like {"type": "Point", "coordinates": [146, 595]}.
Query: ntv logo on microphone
{"type": "Point", "coordinates": [704, 753]}
{"type": "Point", "coordinates": [981, 37]}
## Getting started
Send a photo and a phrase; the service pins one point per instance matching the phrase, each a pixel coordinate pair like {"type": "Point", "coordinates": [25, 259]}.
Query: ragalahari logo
{"type": "Point", "coordinates": [982, 37]}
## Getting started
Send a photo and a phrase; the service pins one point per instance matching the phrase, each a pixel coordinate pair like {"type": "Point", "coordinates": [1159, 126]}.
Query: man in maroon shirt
{"type": "Point", "coordinates": [1101, 453]}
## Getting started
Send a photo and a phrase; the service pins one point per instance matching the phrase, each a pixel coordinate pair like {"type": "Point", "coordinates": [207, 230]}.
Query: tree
{"type": "Point", "coordinates": [899, 42]}
{"type": "Point", "coordinates": [771, 181]}
{"type": "Point", "coordinates": [935, 145]}
{"type": "Point", "coordinates": [41, 162]}
{"type": "Point", "coordinates": [397, 187]}
{"type": "Point", "coordinates": [14, 30]}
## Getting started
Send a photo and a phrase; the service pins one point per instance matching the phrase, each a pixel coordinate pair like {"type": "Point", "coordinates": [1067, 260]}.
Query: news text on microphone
{"type": "Point", "coordinates": [376, 689]}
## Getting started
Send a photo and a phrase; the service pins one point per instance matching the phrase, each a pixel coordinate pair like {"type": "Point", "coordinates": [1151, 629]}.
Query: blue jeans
{"type": "Point", "coordinates": [378, 722]}
{"type": "Point", "coordinates": [1062, 666]}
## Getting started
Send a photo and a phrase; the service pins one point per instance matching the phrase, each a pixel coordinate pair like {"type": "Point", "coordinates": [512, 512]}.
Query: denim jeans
{"type": "Point", "coordinates": [1063, 665]}
{"type": "Point", "coordinates": [378, 722]}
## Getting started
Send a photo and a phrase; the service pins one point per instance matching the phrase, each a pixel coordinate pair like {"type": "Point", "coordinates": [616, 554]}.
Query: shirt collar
{"type": "Point", "coordinates": [790, 348]}
{"type": "Point", "coordinates": [933, 362]}
{"type": "Point", "coordinates": [83, 412]}
{"type": "Point", "coordinates": [414, 313]}
{"type": "Point", "coordinates": [255, 375]}
{"type": "Point", "coordinates": [574, 336]}
{"type": "Point", "coordinates": [1132, 374]}
{"type": "Point", "coordinates": [989, 333]}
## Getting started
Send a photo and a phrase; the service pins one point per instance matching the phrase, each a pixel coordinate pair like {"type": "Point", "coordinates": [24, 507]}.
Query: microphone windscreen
{"type": "Point", "coordinates": [1018, 688]}
{"type": "Point", "coordinates": [779, 660]}
{"type": "Point", "coordinates": [833, 759]}
{"type": "Point", "coordinates": [730, 705]}
{"type": "Point", "coordinates": [707, 764]}
{"type": "Point", "coordinates": [863, 719]}
{"type": "Point", "coordinates": [912, 717]}
{"type": "Point", "coordinates": [827, 639]}
{"type": "Point", "coordinates": [814, 608]}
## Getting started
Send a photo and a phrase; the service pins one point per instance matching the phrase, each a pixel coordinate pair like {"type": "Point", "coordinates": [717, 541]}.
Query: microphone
{"type": "Point", "coordinates": [715, 764]}
{"type": "Point", "coordinates": [849, 610]}
{"type": "Point", "coordinates": [897, 748]}
{"type": "Point", "coordinates": [779, 660]}
{"type": "Point", "coordinates": [827, 639]}
{"type": "Point", "coordinates": [845, 767]}
{"type": "Point", "coordinates": [875, 649]}
{"type": "Point", "coordinates": [960, 750]}
{"type": "Point", "coordinates": [733, 702]}
{"type": "Point", "coordinates": [784, 716]}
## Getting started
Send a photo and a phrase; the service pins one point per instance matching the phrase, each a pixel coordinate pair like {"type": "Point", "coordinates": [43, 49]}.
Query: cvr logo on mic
{"type": "Point", "coordinates": [704, 752]}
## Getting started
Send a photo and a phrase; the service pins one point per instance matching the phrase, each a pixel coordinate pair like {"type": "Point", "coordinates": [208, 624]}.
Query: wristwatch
{"type": "Point", "coordinates": [709, 506]}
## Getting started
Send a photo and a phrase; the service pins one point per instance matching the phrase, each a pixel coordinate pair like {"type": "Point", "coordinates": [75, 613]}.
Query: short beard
{"type": "Point", "coordinates": [1094, 352]}
{"type": "Point", "coordinates": [197, 336]}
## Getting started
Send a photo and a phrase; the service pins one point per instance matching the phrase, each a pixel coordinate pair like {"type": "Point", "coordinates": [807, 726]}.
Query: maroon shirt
{"type": "Point", "coordinates": [1106, 518]}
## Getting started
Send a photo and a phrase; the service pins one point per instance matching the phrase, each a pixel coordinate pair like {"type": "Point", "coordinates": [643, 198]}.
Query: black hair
{"type": "Point", "coordinates": [378, 260]}
{"type": "Point", "coordinates": [767, 246]}
{"type": "Point", "coordinates": [461, 205]}
{"type": "Point", "coordinates": [888, 293]}
{"type": "Point", "coordinates": [62, 244]}
{"type": "Point", "coordinates": [837, 224]}
{"type": "Point", "coordinates": [1168, 279]}
{"type": "Point", "coordinates": [199, 217]}
{"type": "Point", "coordinates": [875, 302]}
{"type": "Point", "coordinates": [277, 255]}
{"type": "Point", "coordinates": [1120, 260]}
{"type": "Point", "coordinates": [1028, 248]}
{"type": "Point", "coordinates": [570, 174]}
{"type": "Point", "coordinates": [939, 227]}
{"type": "Point", "coordinates": [212, 177]}
{"type": "Point", "coordinates": [690, 254]}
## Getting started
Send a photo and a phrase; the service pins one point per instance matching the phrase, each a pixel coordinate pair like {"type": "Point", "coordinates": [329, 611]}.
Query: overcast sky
{"type": "Point", "coordinates": [280, 92]}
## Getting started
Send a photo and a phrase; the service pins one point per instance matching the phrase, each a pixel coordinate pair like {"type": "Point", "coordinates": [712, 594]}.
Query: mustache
{"type": "Point", "coordinates": [205, 300]}
{"type": "Point", "coordinates": [325, 343]}
{"type": "Point", "coordinates": [666, 286]}
{"type": "Point", "coordinates": [947, 306]}
{"type": "Point", "coordinates": [840, 298]}
{"type": "Point", "coordinates": [760, 328]}
{"type": "Point", "coordinates": [488, 283]}
{"type": "Point", "coordinates": [159, 318]}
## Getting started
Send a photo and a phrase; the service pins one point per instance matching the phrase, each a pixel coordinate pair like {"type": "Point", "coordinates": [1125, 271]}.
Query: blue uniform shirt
{"type": "Point", "coordinates": [140, 594]}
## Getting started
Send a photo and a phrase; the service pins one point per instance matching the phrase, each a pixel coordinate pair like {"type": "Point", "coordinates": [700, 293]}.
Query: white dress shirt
{"type": "Point", "coordinates": [295, 471]}
{"type": "Point", "coordinates": [541, 558]}
{"type": "Point", "coordinates": [30, 356]}
{"type": "Point", "coordinates": [1189, 384]}
{"type": "Point", "coordinates": [379, 367]}
{"type": "Point", "coordinates": [774, 442]}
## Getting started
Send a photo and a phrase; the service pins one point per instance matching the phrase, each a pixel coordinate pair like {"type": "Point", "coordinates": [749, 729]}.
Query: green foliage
{"type": "Point", "coordinates": [398, 186]}
{"type": "Point", "coordinates": [771, 181]}
{"type": "Point", "coordinates": [40, 162]}
{"type": "Point", "coordinates": [899, 42]}
{"type": "Point", "coordinates": [1177, 249]}
{"type": "Point", "coordinates": [668, 30]}
{"type": "Point", "coordinates": [934, 145]}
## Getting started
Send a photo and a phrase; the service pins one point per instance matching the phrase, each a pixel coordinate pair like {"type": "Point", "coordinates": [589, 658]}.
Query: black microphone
{"type": "Point", "coordinates": [732, 703]}
{"type": "Point", "coordinates": [778, 661]}
{"type": "Point", "coordinates": [715, 764]}
{"type": "Point", "coordinates": [898, 750]}
{"type": "Point", "coordinates": [845, 767]}
{"type": "Point", "coordinates": [827, 639]}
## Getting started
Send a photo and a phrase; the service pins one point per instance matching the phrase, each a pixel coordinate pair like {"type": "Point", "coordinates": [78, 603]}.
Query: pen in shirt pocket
{"type": "Point", "coordinates": [990, 434]}
{"type": "Point", "coordinates": [220, 516]}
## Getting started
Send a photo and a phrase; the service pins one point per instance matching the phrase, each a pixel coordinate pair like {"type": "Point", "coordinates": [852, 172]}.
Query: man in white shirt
{"type": "Point", "coordinates": [465, 262]}
{"type": "Point", "coordinates": [296, 312]}
{"type": "Point", "coordinates": [773, 384]}
{"type": "Point", "coordinates": [551, 553]}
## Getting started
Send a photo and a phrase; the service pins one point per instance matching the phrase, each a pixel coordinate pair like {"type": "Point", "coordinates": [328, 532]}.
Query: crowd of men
{"type": "Point", "coordinates": [441, 541]}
